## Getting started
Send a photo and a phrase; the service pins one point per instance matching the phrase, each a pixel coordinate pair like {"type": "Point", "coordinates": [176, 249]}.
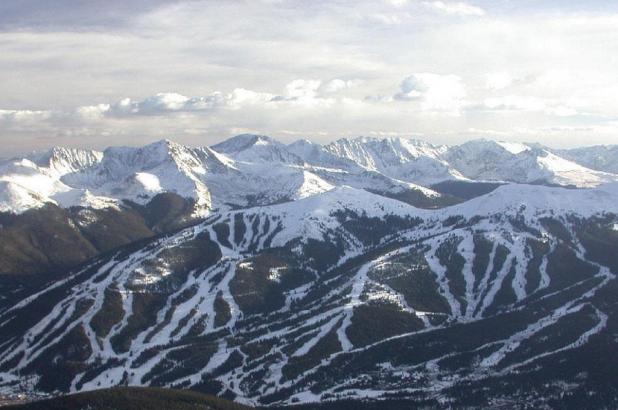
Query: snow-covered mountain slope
{"type": "Point", "coordinates": [343, 295]}
{"type": "Point", "coordinates": [14, 198]}
{"type": "Point", "coordinates": [249, 170]}
{"type": "Point", "coordinates": [140, 173]}
{"type": "Point", "coordinates": [418, 162]}
{"type": "Point", "coordinates": [600, 157]}
{"type": "Point", "coordinates": [323, 168]}
{"type": "Point", "coordinates": [480, 160]}
{"type": "Point", "coordinates": [211, 179]}
{"type": "Point", "coordinates": [33, 184]}
{"type": "Point", "coordinates": [312, 217]}
{"type": "Point", "coordinates": [318, 155]}
{"type": "Point", "coordinates": [400, 158]}
{"type": "Point", "coordinates": [257, 148]}
{"type": "Point", "coordinates": [538, 201]}
{"type": "Point", "coordinates": [339, 170]}
{"type": "Point", "coordinates": [513, 162]}
{"type": "Point", "coordinates": [61, 161]}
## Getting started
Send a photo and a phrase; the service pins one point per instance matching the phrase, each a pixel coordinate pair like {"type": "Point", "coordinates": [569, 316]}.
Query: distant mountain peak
{"type": "Point", "coordinates": [61, 160]}
{"type": "Point", "coordinates": [260, 148]}
{"type": "Point", "coordinates": [304, 142]}
{"type": "Point", "coordinates": [242, 142]}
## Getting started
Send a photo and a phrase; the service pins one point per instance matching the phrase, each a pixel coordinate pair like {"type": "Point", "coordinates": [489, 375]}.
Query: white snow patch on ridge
{"type": "Point", "coordinates": [513, 147]}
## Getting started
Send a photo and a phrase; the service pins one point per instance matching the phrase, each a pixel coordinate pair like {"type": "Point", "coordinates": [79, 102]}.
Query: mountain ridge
{"type": "Point", "coordinates": [242, 174]}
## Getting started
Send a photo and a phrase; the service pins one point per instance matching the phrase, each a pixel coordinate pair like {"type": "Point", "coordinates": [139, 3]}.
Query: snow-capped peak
{"type": "Point", "coordinates": [62, 161]}
{"type": "Point", "coordinates": [405, 159]}
{"type": "Point", "coordinates": [15, 198]}
{"type": "Point", "coordinates": [522, 163]}
{"type": "Point", "coordinates": [242, 142]}
{"type": "Point", "coordinates": [600, 157]}
{"type": "Point", "coordinates": [257, 148]}
{"type": "Point", "coordinates": [513, 147]}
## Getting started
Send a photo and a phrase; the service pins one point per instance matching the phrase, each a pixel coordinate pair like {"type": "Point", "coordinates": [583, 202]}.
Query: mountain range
{"type": "Point", "coordinates": [365, 271]}
{"type": "Point", "coordinates": [250, 170]}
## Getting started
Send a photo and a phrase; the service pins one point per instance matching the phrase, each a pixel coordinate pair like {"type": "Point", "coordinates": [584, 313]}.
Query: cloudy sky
{"type": "Point", "coordinates": [94, 73]}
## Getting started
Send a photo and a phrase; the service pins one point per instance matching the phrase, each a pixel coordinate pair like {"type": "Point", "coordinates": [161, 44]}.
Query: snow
{"type": "Point", "coordinates": [312, 185]}
{"type": "Point", "coordinates": [274, 274]}
{"type": "Point", "coordinates": [312, 217]}
{"type": "Point", "coordinates": [322, 332]}
{"type": "Point", "coordinates": [531, 200]}
{"type": "Point", "coordinates": [143, 277]}
{"type": "Point", "coordinates": [441, 279]}
{"type": "Point", "coordinates": [63, 161]}
{"type": "Point", "coordinates": [257, 170]}
{"type": "Point", "coordinates": [403, 159]}
{"type": "Point", "coordinates": [513, 147]}
{"type": "Point", "coordinates": [513, 162]}
{"type": "Point", "coordinates": [601, 157]}
{"type": "Point", "coordinates": [26, 185]}
{"type": "Point", "coordinates": [213, 179]}
{"type": "Point", "coordinates": [150, 182]}
{"type": "Point", "coordinates": [257, 148]}
{"type": "Point", "coordinates": [14, 198]}
{"type": "Point", "coordinates": [569, 173]}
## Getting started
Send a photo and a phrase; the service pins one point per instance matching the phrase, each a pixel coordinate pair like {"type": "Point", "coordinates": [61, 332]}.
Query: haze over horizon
{"type": "Point", "coordinates": [95, 74]}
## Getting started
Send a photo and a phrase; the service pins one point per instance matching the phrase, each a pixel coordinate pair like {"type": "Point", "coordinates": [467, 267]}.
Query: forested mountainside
{"type": "Point", "coordinates": [507, 298]}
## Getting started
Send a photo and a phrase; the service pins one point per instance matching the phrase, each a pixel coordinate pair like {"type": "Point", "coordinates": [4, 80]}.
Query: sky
{"type": "Point", "coordinates": [91, 73]}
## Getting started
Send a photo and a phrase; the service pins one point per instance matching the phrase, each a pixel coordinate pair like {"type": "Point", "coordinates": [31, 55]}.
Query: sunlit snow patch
{"type": "Point", "coordinates": [150, 182]}
{"type": "Point", "coordinates": [143, 276]}
{"type": "Point", "coordinates": [513, 147]}
{"type": "Point", "coordinates": [274, 274]}
{"type": "Point", "coordinates": [246, 265]}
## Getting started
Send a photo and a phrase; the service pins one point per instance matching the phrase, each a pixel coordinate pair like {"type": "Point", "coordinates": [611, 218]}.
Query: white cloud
{"type": "Point", "coordinates": [386, 19]}
{"type": "Point", "coordinates": [20, 116]}
{"type": "Point", "coordinates": [297, 92]}
{"type": "Point", "coordinates": [242, 97]}
{"type": "Point", "coordinates": [164, 102]}
{"type": "Point", "coordinates": [435, 92]}
{"type": "Point", "coordinates": [337, 85]}
{"type": "Point", "coordinates": [303, 89]}
{"type": "Point", "coordinates": [397, 3]}
{"type": "Point", "coordinates": [498, 81]}
{"type": "Point", "coordinates": [554, 78]}
{"type": "Point", "coordinates": [93, 111]}
{"type": "Point", "coordinates": [562, 111]}
{"type": "Point", "coordinates": [159, 103]}
{"type": "Point", "coordinates": [514, 103]}
{"type": "Point", "coordinates": [456, 8]}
